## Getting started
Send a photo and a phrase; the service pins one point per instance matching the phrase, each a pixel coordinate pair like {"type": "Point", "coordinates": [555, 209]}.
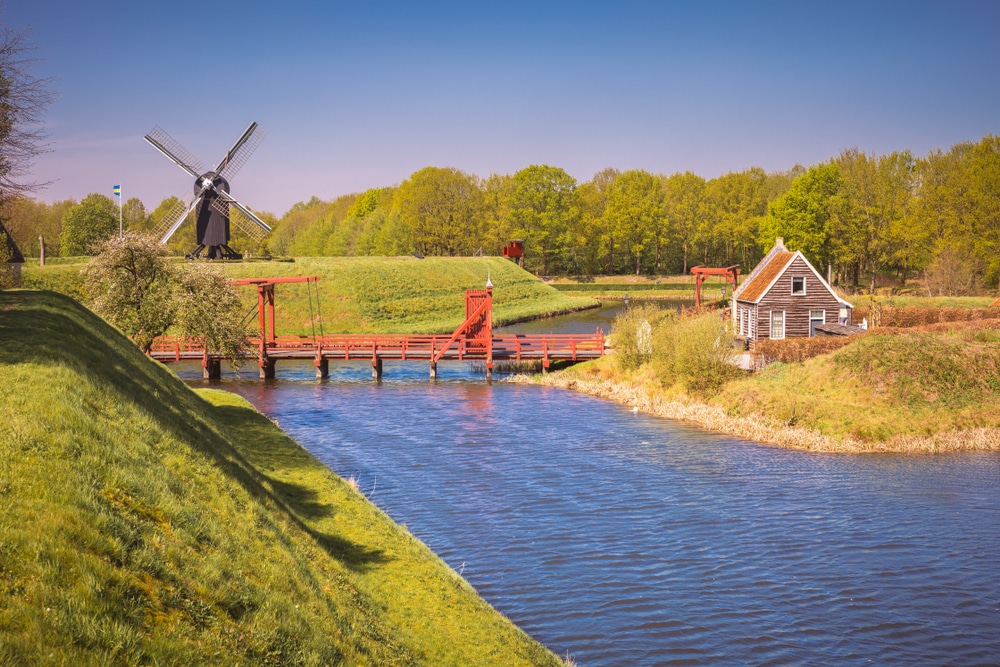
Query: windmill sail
{"type": "Point", "coordinates": [216, 208]}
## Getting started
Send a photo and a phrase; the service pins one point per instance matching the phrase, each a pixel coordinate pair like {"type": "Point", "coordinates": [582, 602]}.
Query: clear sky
{"type": "Point", "coordinates": [362, 94]}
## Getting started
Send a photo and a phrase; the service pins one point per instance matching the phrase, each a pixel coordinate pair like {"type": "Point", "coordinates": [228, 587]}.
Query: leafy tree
{"type": "Point", "coordinates": [27, 219]}
{"type": "Point", "coordinates": [130, 283]}
{"type": "Point", "coordinates": [87, 224]}
{"type": "Point", "coordinates": [737, 203]}
{"type": "Point", "coordinates": [802, 215]}
{"type": "Point", "coordinates": [685, 210]}
{"type": "Point", "coordinates": [208, 307]}
{"type": "Point", "coordinates": [494, 211]}
{"type": "Point", "coordinates": [23, 98]}
{"type": "Point", "coordinates": [134, 215]}
{"type": "Point", "coordinates": [385, 234]}
{"type": "Point", "coordinates": [592, 239]}
{"type": "Point", "coordinates": [441, 206]}
{"type": "Point", "coordinates": [542, 207]}
{"type": "Point", "coordinates": [635, 211]}
{"type": "Point", "coordinates": [868, 218]}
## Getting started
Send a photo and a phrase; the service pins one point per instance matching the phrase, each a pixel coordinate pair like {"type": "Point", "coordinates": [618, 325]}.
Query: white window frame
{"type": "Point", "coordinates": [743, 321]}
{"type": "Point", "coordinates": [821, 319]}
{"type": "Point", "coordinates": [803, 279]}
{"type": "Point", "coordinates": [784, 325]}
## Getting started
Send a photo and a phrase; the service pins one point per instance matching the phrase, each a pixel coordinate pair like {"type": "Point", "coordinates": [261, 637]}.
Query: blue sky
{"type": "Point", "coordinates": [356, 95]}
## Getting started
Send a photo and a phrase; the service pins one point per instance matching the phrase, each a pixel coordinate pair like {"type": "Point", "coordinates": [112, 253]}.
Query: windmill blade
{"type": "Point", "coordinates": [241, 151]}
{"type": "Point", "coordinates": [176, 153]}
{"type": "Point", "coordinates": [173, 218]}
{"type": "Point", "coordinates": [246, 225]}
{"type": "Point", "coordinates": [253, 226]}
{"type": "Point", "coordinates": [225, 204]}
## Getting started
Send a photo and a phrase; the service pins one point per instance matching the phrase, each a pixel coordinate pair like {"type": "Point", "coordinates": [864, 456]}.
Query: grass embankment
{"type": "Point", "coordinates": [144, 523]}
{"type": "Point", "coordinates": [377, 294]}
{"type": "Point", "coordinates": [895, 391]}
{"type": "Point", "coordinates": [641, 287]}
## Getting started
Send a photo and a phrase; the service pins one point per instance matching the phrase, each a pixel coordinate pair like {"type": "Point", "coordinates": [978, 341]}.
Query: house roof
{"type": "Point", "coordinates": [763, 276]}
{"type": "Point", "coordinates": [767, 272]}
{"type": "Point", "coordinates": [15, 253]}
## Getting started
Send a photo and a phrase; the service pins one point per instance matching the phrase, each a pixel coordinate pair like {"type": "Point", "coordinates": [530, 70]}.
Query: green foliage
{"type": "Point", "coordinates": [695, 351]}
{"type": "Point", "coordinates": [87, 224]}
{"type": "Point", "coordinates": [209, 308]}
{"type": "Point", "coordinates": [869, 216]}
{"type": "Point", "coordinates": [632, 334]}
{"type": "Point", "coordinates": [131, 285]}
{"type": "Point", "coordinates": [802, 215]}
{"type": "Point", "coordinates": [634, 211]}
{"type": "Point", "coordinates": [543, 207]}
{"type": "Point", "coordinates": [27, 219]}
{"type": "Point", "coordinates": [441, 207]}
{"type": "Point", "coordinates": [143, 524]}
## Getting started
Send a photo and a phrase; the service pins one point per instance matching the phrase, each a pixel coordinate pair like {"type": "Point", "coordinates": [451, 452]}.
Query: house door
{"type": "Point", "coordinates": [816, 317]}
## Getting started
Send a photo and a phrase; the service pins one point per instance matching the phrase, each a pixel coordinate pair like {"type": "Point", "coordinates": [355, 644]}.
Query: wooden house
{"type": "Point", "coordinates": [785, 297]}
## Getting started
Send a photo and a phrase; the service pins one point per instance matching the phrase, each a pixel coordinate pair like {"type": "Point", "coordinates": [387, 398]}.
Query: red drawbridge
{"type": "Point", "coordinates": [473, 340]}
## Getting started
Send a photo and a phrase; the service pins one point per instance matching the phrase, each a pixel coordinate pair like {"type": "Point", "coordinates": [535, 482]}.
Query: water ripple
{"type": "Point", "coordinates": [624, 539]}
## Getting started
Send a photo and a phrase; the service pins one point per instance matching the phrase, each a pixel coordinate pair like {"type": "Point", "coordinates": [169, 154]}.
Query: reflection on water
{"type": "Point", "coordinates": [625, 539]}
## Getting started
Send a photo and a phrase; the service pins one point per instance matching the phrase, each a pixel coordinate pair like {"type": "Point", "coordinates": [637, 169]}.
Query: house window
{"type": "Point", "coordinates": [777, 324]}
{"type": "Point", "coordinates": [799, 285]}
{"type": "Point", "coordinates": [816, 317]}
{"type": "Point", "coordinates": [743, 321]}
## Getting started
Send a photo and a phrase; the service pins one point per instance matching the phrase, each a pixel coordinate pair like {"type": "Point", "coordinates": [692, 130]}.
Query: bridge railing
{"type": "Point", "coordinates": [361, 346]}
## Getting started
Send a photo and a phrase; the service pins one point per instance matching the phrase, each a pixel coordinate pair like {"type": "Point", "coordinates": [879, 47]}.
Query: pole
{"type": "Point", "coordinates": [121, 228]}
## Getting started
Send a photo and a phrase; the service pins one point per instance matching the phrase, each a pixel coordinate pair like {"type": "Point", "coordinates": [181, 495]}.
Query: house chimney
{"type": "Point", "coordinates": [780, 241]}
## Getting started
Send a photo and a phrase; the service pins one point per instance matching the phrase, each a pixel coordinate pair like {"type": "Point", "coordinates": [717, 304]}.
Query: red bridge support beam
{"type": "Point", "coordinates": [731, 274]}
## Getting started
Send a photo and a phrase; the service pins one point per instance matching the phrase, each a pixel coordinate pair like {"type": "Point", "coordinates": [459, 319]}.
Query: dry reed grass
{"type": "Point", "coordinates": [764, 429]}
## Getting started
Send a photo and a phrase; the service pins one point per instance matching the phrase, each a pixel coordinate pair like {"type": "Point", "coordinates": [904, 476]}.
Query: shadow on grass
{"type": "Point", "coordinates": [46, 328]}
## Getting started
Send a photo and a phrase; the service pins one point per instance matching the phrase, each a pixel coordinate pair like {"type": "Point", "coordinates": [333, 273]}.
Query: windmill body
{"type": "Point", "coordinates": [215, 209]}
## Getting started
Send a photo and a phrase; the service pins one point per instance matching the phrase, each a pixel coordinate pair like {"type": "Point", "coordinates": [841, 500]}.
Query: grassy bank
{"type": "Point", "coordinates": [377, 294]}
{"type": "Point", "coordinates": [897, 391]}
{"type": "Point", "coordinates": [144, 523]}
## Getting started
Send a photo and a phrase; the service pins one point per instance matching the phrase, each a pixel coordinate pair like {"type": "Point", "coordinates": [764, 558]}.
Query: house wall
{"type": "Point", "coordinates": [796, 307]}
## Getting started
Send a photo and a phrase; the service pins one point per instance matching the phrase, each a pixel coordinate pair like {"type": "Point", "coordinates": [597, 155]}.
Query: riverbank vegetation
{"type": "Point", "coordinates": [928, 388]}
{"type": "Point", "coordinates": [868, 217]}
{"type": "Point", "coordinates": [372, 294]}
{"type": "Point", "coordinates": [144, 523]}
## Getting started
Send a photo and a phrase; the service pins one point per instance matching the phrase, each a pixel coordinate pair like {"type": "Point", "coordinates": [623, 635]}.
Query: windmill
{"type": "Point", "coordinates": [216, 208]}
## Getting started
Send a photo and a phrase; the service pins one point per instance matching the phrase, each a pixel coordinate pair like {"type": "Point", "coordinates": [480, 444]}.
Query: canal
{"type": "Point", "coordinates": [625, 539]}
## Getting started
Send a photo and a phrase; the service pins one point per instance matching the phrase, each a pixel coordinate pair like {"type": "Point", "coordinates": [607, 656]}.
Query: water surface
{"type": "Point", "coordinates": [625, 539]}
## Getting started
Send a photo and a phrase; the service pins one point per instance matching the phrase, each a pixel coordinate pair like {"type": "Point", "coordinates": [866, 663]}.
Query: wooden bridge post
{"type": "Point", "coordinates": [267, 369]}
{"type": "Point", "coordinates": [434, 369]}
{"type": "Point", "coordinates": [376, 367]}
{"type": "Point", "coordinates": [322, 368]}
{"type": "Point", "coordinates": [211, 369]}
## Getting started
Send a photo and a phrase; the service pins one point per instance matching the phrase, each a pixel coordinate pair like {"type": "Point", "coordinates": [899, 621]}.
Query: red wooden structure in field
{"type": "Point", "coordinates": [514, 250]}
{"type": "Point", "coordinates": [731, 274]}
{"type": "Point", "coordinates": [473, 340]}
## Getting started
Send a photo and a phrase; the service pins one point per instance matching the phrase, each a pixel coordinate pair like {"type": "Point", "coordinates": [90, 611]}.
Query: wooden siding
{"type": "Point", "coordinates": [796, 307]}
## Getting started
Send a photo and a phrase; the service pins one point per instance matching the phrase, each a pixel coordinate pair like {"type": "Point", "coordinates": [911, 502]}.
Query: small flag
{"type": "Point", "coordinates": [118, 191]}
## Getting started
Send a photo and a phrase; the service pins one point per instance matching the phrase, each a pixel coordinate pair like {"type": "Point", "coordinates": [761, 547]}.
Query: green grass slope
{"type": "Point", "coordinates": [376, 294]}
{"type": "Point", "coordinates": [143, 524]}
{"type": "Point", "coordinates": [909, 385]}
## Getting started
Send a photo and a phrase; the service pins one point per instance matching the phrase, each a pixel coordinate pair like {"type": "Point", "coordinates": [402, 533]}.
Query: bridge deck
{"type": "Point", "coordinates": [506, 347]}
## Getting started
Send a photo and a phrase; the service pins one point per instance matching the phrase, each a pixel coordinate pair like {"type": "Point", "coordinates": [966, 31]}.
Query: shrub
{"type": "Point", "coordinates": [696, 351]}
{"type": "Point", "coordinates": [891, 316]}
{"type": "Point", "coordinates": [632, 334]}
{"type": "Point", "coordinates": [799, 349]}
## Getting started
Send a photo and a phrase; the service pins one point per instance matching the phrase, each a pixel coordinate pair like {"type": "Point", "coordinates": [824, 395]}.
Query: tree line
{"type": "Point", "coordinates": [859, 215]}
